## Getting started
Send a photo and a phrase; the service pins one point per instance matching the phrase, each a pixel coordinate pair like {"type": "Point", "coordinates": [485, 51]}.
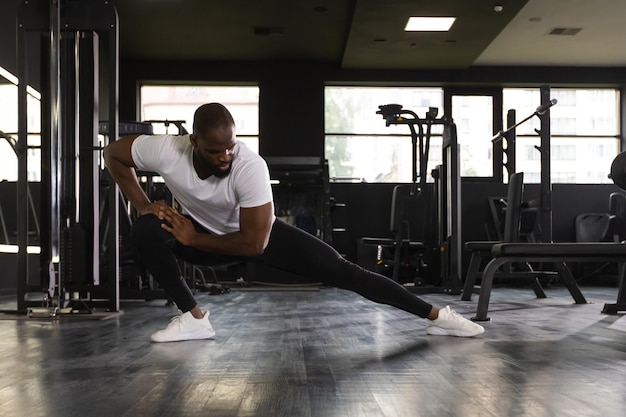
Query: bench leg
{"type": "Point", "coordinates": [620, 305]}
{"type": "Point", "coordinates": [570, 283]}
{"type": "Point", "coordinates": [534, 281]}
{"type": "Point", "coordinates": [470, 277]}
{"type": "Point", "coordinates": [485, 288]}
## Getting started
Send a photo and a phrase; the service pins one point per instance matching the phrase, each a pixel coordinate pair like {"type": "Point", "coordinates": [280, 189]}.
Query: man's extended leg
{"type": "Point", "coordinates": [297, 251]}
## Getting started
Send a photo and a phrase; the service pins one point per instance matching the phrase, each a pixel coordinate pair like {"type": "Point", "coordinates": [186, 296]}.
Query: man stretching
{"type": "Point", "coordinates": [224, 189]}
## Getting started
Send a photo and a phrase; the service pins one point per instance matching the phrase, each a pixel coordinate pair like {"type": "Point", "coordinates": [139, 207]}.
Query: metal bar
{"type": "Point", "coordinates": [545, 197]}
{"type": "Point", "coordinates": [113, 197]}
{"type": "Point", "coordinates": [55, 146]}
{"type": "Point", "coordinates": [454, 279]}
{"type": "Point", "coordinates": [510, 138]}
{"type": "Point", "coordinates": [88, 159]}
{"type": "Point", "coordinates": [620, 303]}
{"type": "Point", "coordinates": [497, 148]}
{"type": "Point", "coordinates": [71, 251]}
{"type": "Point", "coordinates": [451, 217]}
{"type": "Point", "coordinates": [21, 148]}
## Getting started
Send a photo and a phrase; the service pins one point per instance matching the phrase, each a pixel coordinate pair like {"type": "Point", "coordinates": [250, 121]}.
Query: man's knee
{"type": "Point", "coordinates": [147, 229]}
{"type": "Point", "coordinates": [344, 274]}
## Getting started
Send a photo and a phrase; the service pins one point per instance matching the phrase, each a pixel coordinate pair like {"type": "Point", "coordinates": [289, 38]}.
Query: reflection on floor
{"type": "Point", "coordinates": [322, 353]}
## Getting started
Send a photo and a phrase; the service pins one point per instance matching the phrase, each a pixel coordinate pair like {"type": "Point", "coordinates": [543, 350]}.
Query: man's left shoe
{"type": "Point", "coordinates": [451, 323]}
{"type": "Point", "coordinates": [185, 327]}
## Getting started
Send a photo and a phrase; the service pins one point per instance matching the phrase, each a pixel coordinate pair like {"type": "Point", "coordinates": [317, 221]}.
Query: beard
{"type": "Point", "coordinates": [206, 168]}
{"type": "Point", "coordinates": [218, 173]}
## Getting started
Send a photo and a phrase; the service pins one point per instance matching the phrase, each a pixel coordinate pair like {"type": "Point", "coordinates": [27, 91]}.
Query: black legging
{"type": "Point", "coordinates": [289, 249]}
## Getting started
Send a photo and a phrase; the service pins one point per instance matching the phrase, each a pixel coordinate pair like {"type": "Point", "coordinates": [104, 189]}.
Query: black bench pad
{"type": "Point", "coordinates": [591, 250]}
{"type": "Point", "coordinates": [480, 245]}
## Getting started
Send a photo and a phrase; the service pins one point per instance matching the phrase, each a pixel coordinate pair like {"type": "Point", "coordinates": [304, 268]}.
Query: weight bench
{"type": "Point", "coordinates": [557, 253]}
{"type": "Point", "coordinates": [514, 212]}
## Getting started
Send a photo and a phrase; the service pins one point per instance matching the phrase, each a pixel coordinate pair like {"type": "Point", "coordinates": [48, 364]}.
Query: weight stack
{"type": "Point", "coordinates": [72, 256]}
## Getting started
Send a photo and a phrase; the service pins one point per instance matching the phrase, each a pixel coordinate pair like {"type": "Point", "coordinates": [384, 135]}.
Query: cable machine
{"type": "Point", "coordinates": [447, 186]}
{"type": "Point", "coordinates": [71, 36]}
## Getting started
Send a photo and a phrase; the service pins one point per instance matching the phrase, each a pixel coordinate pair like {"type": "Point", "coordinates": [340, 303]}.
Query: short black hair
{"type": "Point", "coordinates": [211, 115]}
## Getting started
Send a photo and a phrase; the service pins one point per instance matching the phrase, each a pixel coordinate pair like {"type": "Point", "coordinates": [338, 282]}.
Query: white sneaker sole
{"type": "Point", "coordinates": [439, 331]}
{"type": "Point", "coordinates": [182, 337]}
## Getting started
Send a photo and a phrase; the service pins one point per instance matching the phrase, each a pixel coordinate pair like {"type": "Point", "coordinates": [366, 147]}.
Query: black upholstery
{"type": "Point", "coordinates": [398, 250]}
{"type": "Point", "coordinates": [604, 227]}
{"type": "Point", "coordinates": [592, 250]}
{"type": "Point", "coordinates": [617, 211]}
{"type": "Point", "coordinates": [514, 194]}
{"type": "Point", "coordinates": [593, 227]}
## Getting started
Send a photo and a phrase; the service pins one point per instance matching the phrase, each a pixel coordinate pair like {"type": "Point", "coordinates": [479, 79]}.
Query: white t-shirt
{"type": "Point", "coordinates": [212, 202]}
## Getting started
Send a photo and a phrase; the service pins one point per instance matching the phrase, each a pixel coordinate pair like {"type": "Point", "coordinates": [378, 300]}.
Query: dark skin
{"type": "Point", "coordinates": [212, 155]}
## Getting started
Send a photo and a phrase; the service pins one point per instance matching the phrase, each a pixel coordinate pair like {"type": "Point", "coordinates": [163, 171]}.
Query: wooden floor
{"type": "Point", "coordinates": [326, 353]}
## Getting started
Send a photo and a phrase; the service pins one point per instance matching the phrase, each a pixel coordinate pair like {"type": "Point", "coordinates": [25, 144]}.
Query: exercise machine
{"type": "Point", "coordinates": [73, 37]}
{"type": "Point", "coordinates": [447, 190]}
{"type": "Point", "coordinates": [508, 138]}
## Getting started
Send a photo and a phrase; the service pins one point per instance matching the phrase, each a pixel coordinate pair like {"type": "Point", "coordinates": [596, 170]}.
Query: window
{"type": "Point", "coordinates": [360, 147]}
{"type": "Point", "coordinates": [179, 102]}
{"type": "Point", "coordinates": [8, 128]}
{"type": "Point", "coordinates": [473, 115]}
{"type": "Point", "coordinates": [564, 152]}
{"type": "Point", "coordinates": [584, 127]}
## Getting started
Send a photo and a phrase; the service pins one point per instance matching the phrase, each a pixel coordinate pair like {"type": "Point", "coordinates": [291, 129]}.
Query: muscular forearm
{"type": "Point", "coordinates": [121, 168]}
{"type": "Point", "coordinates": [250, 240]}
{"type": "Point", "coordinates": [127, 180]}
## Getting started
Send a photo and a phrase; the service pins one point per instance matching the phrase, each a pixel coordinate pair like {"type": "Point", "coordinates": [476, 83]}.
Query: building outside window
{"type": "Point", "coordinates": [8, 126]}
{"type": "Point", "coordinates": [584, 127]}
{"type": "Point", "coordinates": [361, 148]}
{"type": "Point", "coordinates": [179, 102]}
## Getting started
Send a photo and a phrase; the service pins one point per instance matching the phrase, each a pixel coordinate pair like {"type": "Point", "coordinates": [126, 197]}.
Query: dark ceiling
{"type": "Point", "coordinates": [369, 34]}
{"type": "Point", "coordinates": [363, 34]}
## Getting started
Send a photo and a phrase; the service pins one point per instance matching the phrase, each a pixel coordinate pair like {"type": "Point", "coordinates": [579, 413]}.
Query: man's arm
{"type": "Point", "coordinates": [119, 162]}
{"type": "Point", "coordinates": [255, 225]}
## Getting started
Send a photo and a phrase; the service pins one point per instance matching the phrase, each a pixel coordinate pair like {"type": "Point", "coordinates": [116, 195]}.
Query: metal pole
{"type": "Point", "coordinates": [21, 148]}
{"type": "Point", "coordinates": [88, 157]}
{"type": "Point", "coordinates": [55, 148]}
{"type": "Point", "coordinates": [510, 137]}
{"type": "Point", "coordinates": [545, 197]}
{"type": "Point", "coordinates": [114, 233]}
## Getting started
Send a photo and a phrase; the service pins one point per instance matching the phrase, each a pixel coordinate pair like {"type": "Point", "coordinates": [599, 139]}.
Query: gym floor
{"type": "Point", "coordinates": [322, 353]}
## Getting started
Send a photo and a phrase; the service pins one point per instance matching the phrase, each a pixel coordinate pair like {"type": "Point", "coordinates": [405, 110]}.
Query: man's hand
{"type": "Point", "coordinates": [153, 208]}
{"type": "Point", "coordinates": [250, 240]}
{"type": "Point", "coordinates": [178, 225]}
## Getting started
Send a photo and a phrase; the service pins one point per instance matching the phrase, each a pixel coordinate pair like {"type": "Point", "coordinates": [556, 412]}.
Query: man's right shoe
{"type": "Point", "coordinates": [451, 323]}
{"type": "Point", "coordinates": [185, 327]}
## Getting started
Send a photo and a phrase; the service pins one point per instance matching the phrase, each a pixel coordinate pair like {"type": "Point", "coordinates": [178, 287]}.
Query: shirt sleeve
{"type": "Point", "coordinates": [147, 151]}
{"type": "Point", "coordinates": [253, 185]}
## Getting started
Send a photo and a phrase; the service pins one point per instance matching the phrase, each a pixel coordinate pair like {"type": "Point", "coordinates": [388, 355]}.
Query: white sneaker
{"type": "Point", "coordinates": [185, 327]}
{"type": "Point", "coordinates": [451, 323]}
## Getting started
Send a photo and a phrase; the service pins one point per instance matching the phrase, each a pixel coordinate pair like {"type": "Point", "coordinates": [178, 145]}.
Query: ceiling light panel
{"type": "Point", "coordinates": [429, 24]}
